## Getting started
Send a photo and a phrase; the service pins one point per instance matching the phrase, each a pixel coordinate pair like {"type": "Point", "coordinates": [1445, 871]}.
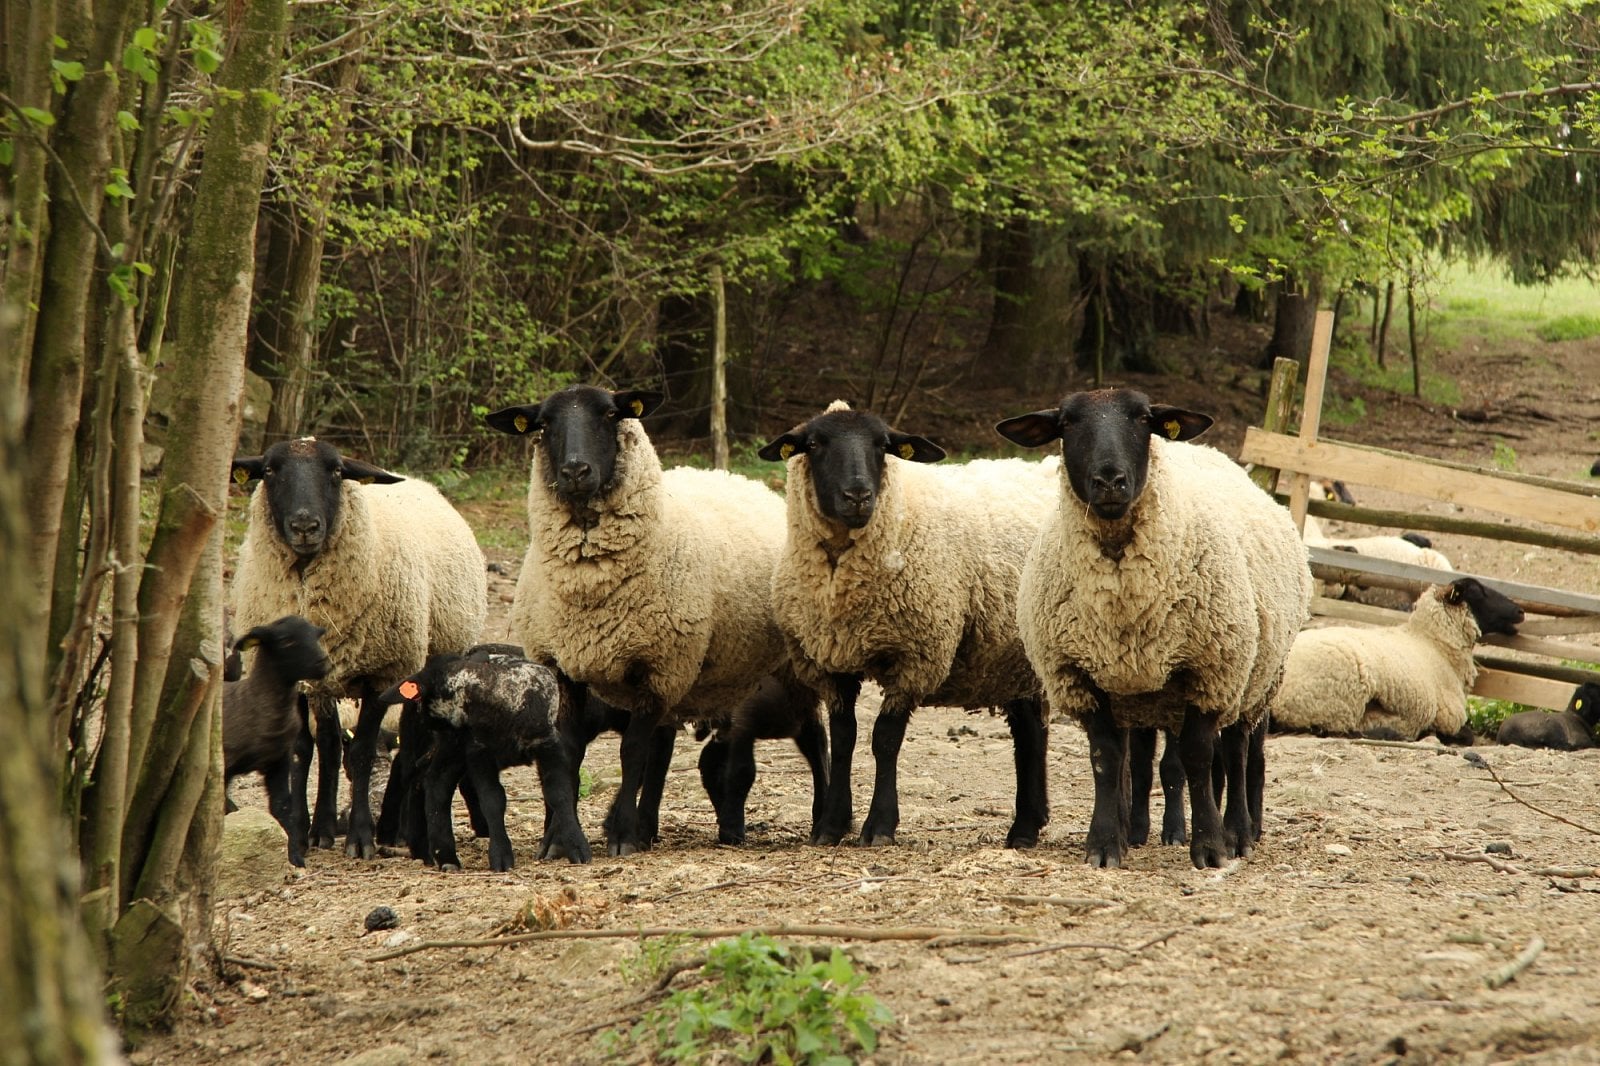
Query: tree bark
{"type": "Point", "coordinates": [1296, 317]}
{"type": "Point", "coordinates": [26, 80]}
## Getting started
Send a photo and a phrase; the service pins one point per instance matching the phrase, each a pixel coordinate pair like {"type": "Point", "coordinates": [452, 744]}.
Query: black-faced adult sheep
{"type": "Point", "coordinates": [488, 710]}
{"type": "Point", "coordinates": [1164, 590]}
{"type": "Point", "coordinates": [907, 574]}
{"type": "Point", "coordinates": [261, 715]}
{"type": "Point", "coordinates": [652, 587]}
{"type": "Point", "coordinates": [1394, 682]}
{"type": "Point", "coordinates": [1568, 730]}
{"type": "Point", "coordinates": [385, 565]}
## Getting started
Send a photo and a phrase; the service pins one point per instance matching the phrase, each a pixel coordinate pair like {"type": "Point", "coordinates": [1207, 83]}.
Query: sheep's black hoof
{"type": "Point", "coordinates": [619, 848]}
{"type": "Point", "coordinates": [827, 838]}
{"type": "Point", "coordinates": [323, 840]}
{"type": "Point", "coordinates": [576, 852]}
{"type": "Point", "coordinates": [449, 868]}
{"type": "Point", "coordinates": [877, 840]}
{"type": "Point", "coordinates": [1206, 851]}
{"type": "Point", "coordinates": [1022, 837]}
{"type": "Point", "coordinates": [727, 836]}
{"type": "Point", "coordinates": [502, 863]}
{"type": "Point", "coordinates": [360, 849]}
{"type": "Point", "coordinates": [1174, 836]}
{"type": "Point", "coordinates": [1104, 858]}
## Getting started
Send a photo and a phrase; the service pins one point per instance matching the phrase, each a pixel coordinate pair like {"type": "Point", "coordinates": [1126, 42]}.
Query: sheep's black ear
{"type": "Point", "coordinates": [518, 420]}
{"type": "Point", "coordinates": [1031, 430]}
{"type": "Point", "coordinates": [251, 639]}
{"type": "Point", "coordinates": [366, 473]}
{"type": "Point", "coordinates": [1460, 589]}
{"type": "Point", "coordinates": [914, 449]}
{"type": "Point", "coordinates": [1174, 423]}
{"type": "Point", "coordinates": [1342, 491]}
{"type": "Point", "coordinates": [246, 468]}
{"type": "Point", "coordinates": [636, 403]}
{"type": "Point", "coordinates": [790, 444]}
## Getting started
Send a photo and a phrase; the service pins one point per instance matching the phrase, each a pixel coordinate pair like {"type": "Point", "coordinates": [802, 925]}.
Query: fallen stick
{"type": "Point", "coordinates": [1409, 745]}
{"type": "Point", "coordinates": [1087, 903]}
{"type": "Point", "coordinates": [1080, 945]}
{"type": "Point", "coordinates": [1478, 760]}
{"type": "Point", "coordinates": [992, 935]}
{"type": "Point", "coordinates": [1507, 973]}
{"type": "Point", "coordinates": [1488, 860]}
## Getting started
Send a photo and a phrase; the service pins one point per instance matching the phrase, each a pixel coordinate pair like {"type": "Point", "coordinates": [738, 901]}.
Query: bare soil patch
{"type": "Point", "coordinates": [1351, 936]}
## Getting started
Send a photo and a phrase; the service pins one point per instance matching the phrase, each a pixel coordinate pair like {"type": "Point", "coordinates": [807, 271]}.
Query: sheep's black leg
{"type": "Point", "coordinates": [358, 758]}
{"type": "Point", "coordinates": [812, 740]}
{"type": "Point", "coordinates": [484, 776]}
{"type": "Point", "coordinates": [475, 815]}
{"type": "Point", "coordinates": [1196, 745]}
{"type": "Point", "coordinates": [1232, 752]}
{"type": "Point", "coordinates": [738, 776]}
{"type": "Point", "coordinates": [280, 801]}
{"type": "Point", "coordinates": [329, 753]}
{"type": "Point", "coordinates": [841, 699]}
{"type": "Point", "coordinates": [1107, 842]}
{"type": "Point", "coordinates": [1256, 777]}
{"type": "Point", "coordinates": [393, 825]}
{"type": "Point", "coordinates": [558, 783]}
{"type": "Point", "coordinates": [574, 743]}
{"type": "Point", "coordinates": [414, 812]}
{"type": "Point", "coordinates": [445, 769]}
{"type": "Point", "coordinates": [1141, 772]}
{"type": "Point", "coordinates": [622, 821]}
{"type": "Point", "coordinates": [1029, 740]}
{"type": "Point", "coordinates": [299, 771]}
{"type": "Point", "coordinates": [657, 761]}
{"type": "Point", "coordinates": [713, 766]}
{"type": "Point", "coordinates": [883, 815]}
{"type": "Point", "coordinates": [1172, 820]}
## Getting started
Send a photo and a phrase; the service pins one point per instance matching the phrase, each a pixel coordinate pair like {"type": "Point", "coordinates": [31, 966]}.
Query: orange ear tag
{"type": "Point", "coordinates": [410, 689]}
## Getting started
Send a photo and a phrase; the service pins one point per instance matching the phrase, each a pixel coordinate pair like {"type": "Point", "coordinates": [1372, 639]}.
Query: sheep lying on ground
{"type": "Point", "coordinates": [261, 715]}
{"type": "Point", "coordinates": [1569, 730]}
{"type": "Point", "coordinates": [907, 574]}
{"type": "Point", "coordinates": [1164, 590]}
{"type": "Point", "coordinates": [1412, 548]}
{"type": "Point", "coordinates": [653, 587]}
{"type": "Point", "coordinates": [489, 710]}
{"type": "Point", "coordinates": [386, 566]}
{"type": "Point", "coordinates": [1396, 682]}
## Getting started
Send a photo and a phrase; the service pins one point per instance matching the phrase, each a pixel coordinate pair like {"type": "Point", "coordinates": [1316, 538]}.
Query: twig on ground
{"type": "Point", "coordinates": [1086, 903]}
{"type": "Point", "coordinates": [1488, 860]}
{"type": "Point", "coordinates": [248, 964]}
{"type": "Point", "coordinates": [1478, 760]}
{"type": "Point", "coordinates": [1081, 945]}
{"type": "Point", "coordinates": [1573, 872]}
{"type": "Point", "coordinates": [736, 883]}
{"type": "Point", "coordinates": [659, 987]}
{"type": "Point", "coordinates": [1412, 745]}
{"type": "Point", "coordinates": [993, 935]}
{"type": "Point", "coordinates": [1507, 973]}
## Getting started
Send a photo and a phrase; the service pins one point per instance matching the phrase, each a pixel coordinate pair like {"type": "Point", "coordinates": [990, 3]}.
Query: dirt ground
{"type": "Point", "coordinates": [1362, 930]}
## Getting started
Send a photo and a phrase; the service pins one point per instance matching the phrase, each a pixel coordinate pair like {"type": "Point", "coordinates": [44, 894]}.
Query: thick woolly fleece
{"type": "Point", "coordinates": [671, 580]}
{"type": "Point", "coordinates": [1408, 679]}
{"type": "Point", "coordinates": [1199, 607]}
{"type": "Point", "coordinates": [401, 578]}
{"type": "Point", "coordinates": [923, 597]}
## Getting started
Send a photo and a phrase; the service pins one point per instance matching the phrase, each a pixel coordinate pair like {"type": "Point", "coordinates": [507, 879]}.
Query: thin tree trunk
{"type": "Point", "coordinates": [1411, 331]}
{"type": "Point", "coordinates": [1294, 320]}
{"type": "Point", "coordinates": [719, 372]}
{"type": "Point", "coordinates": [27, 82]}
{"type": "Point", "coordinates": [1383, 329]}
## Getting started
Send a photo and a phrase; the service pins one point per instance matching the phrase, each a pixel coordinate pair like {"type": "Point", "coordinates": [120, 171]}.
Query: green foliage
{"type": "Point", "coordinates": [763, 1001]}
{"type": "Point", "coordinates": [1485, 715]}
{"type": "Point", "coordinates": [585, 782]}
{"type": "Point", "coordinates": [1570, 328]}
{"type": "Point", "coordinates": [655, 956]}
{"type": "Point", "coordinates": [1505, 456]}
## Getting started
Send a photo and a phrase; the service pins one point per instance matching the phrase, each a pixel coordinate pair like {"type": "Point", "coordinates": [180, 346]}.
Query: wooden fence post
{"type": "Point", "coordinates": [1311, 413]}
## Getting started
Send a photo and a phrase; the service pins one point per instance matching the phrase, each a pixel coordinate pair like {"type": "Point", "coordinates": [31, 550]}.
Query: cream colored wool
{"type": "Point", "coordinates": [400, 578]}
{"type": "Point", "coordinates": [1410, 678]}
{"type": "Point", "coordinates": [1200, 608]}
{"type": "Point", "coordinates": [673, 576]}
{"type": "Point", "coordinates": [923, 598]}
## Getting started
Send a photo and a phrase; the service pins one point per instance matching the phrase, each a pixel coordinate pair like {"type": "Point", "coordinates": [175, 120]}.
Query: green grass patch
{"type": "Point", "coordinates": [1570, 328]}
{"type": "Point", "coordinates": [758, 1000]}
{"type": "Point", "coordinates": [1485, 715]}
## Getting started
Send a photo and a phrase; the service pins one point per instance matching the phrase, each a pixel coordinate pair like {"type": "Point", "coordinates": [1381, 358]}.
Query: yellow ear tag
{"type": "Point", "coordinates": [637, 407]}
{"type": "Point", "coordinates": [241, 475]}
{"type": "Point", "coordinates": [366, 480]}
{"type": "Point", "coordinates": [907, 451]}
{"type": "Point", "coordinates": [1577, 705]}
{"type": "Point", "coordinates": [521, 422]}
{"type": "Point", "coordinates": [1173, 429]}
{"type": "Point", "coordinates": [410, 689]}
{"type": "Point", "coordinates": [786, 451]}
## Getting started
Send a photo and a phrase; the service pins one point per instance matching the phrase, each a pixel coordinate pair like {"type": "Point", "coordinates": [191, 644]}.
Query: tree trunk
{"type": "Point", "coordinates": [1294, 321]}
{"type": "Point", "coordinates": [26, 80]}
{"type": "Point", "coordinates": [1036, 307]}
{"type": "Point", "coordinates": [49, 982]}
{"type": "Point", "coordinates": [682, 332]}
{"type": "Point", "coordinates": [1383, 328]}
{"type": "Point", "coordinates": [1120, 332]}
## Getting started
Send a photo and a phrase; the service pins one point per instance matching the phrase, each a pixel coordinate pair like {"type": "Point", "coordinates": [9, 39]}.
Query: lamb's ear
{"type": "Point", "coordinates": [636, 403]}
{"type": "Point", "coordinates": [1174, 423]}
{"type": "Point", "coordinates": [366, 473]}
{"type": "Point", "coordinates": [790, 444]}
{"type": "Point", "coordinates": [518, 420]}
{"type": "Point", "coordinates": [914, 449]}
{"type": "Point", "coordinates": [246, 468]}
{"type": "Point", "coordinates": [1031, 430]}
{"type": "Point", "coordinates": [251, 639]}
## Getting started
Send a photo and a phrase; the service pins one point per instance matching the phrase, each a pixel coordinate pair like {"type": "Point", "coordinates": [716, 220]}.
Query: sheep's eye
{"type": "Point", "coordinates": [613, 414]}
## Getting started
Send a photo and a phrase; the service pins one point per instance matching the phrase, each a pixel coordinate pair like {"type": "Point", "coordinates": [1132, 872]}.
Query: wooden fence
{"type": "Point", "coordinates": [1530, 677]}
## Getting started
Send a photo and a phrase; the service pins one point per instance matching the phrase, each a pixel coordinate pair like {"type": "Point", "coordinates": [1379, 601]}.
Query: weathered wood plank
{"type": "Point", "coordinates": [1518, 688]}
{"type": "Point", "coordinates": [1349, 568]}
{"type": "Point", "coordinates": [1565, 504]}
{"type": "Point", "coordinates": [1433, 523]}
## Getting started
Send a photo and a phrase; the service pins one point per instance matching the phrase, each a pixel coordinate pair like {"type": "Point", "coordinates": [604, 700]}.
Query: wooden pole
{"type": "Point", "coordinates": [719, 373]}
{"type": "Point", "coordinates": [1311, 413]}
{"type": "Point", "coordinates": [1280, 404]}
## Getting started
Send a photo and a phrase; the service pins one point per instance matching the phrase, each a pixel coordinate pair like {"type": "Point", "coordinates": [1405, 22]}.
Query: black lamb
{"type": "Point", "coordinates": [263, 714]}
{"type": "Point", "coordinates": [1569, 730]}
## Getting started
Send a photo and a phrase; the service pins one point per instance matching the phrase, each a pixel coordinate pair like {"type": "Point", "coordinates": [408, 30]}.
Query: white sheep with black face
{"type": "Point", "coordinates": [907, 573]}
{"type": "Point", "coordinates": [1164, 590]}
{"type": "Point", "coordinates": [383, 564]}
{"type": "Point", "coordinates": [652, 587]}
{"type": "Point", "coordinates": [1394, 682]}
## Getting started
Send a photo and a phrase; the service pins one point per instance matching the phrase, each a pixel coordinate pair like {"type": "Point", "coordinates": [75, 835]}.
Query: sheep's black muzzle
{"type": "Point", "coordinates": [854, 507]}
